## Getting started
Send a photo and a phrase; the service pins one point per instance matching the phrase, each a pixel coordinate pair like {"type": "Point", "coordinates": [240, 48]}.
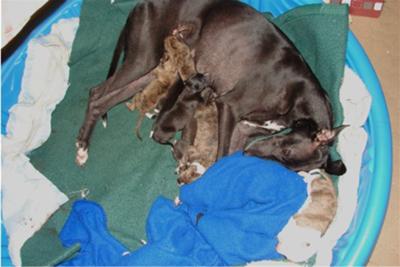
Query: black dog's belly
{"type": "Point", "coordinates": [235, 41]}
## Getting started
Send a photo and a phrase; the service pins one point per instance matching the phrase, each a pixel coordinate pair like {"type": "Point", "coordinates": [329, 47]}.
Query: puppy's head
{"type": "Point", "coordinates": [298, 243]}
{"type": "Point", "coordinates": [163, 132]}
{"type": "Point", "coordinates": [303, 149]}
{"type": "Point", "coordinates": [196, 83]}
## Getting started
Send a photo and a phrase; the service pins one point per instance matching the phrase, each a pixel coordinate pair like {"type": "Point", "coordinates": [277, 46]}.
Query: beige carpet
{"type": "Point", "coordinates": [380, 39]}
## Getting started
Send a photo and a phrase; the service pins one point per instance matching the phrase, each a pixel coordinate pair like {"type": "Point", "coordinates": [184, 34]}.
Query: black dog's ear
{"type": "Point", "coordinates": [336, 167]}
{"type": "Point", "coordinates": [326, 137]}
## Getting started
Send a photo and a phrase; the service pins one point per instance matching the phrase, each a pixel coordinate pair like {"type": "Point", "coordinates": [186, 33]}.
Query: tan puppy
{"type": "Point", "coordinates": [177, 59]}
{"type": "Point", "coordinates": [146, 101]}
{"type": "Point", "coordinates": [300, 238]}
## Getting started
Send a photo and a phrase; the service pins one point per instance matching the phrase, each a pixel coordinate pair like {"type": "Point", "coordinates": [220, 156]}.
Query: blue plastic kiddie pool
{"type": "Point", "coordinates": [355, 247]}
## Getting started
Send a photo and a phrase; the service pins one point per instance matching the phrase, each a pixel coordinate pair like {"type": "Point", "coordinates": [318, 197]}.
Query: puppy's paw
{"type": "Point", "coordinates": [130, 105]}
{"type": "Point", "coordinates": [151, 115]}
{"type": "Point", "coordinates": [200, 169]}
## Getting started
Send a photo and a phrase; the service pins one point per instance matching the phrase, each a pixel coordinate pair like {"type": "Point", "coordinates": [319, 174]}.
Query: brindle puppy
{"type": "Point", "coordinates": [195, 157]}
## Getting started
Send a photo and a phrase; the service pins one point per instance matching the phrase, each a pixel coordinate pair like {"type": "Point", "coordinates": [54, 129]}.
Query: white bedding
{"type": "Point", "coordinates": [29, 198]}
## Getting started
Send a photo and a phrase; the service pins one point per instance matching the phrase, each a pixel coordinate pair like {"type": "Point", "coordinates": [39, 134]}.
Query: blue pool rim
{"type": "Point", "coordinates": [356, 246]}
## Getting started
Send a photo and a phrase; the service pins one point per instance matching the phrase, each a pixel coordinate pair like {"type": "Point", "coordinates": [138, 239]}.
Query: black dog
{"type": "Point", "coordinates": [258, 74]}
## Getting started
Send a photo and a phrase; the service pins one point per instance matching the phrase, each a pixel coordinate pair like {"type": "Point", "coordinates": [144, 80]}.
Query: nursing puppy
{"type": "Point", "coordinates": [301, 237]}
{"type": "Point", "coordinates": [146, 101]}
{"type": "Point", "coordinates": [197, 150]}
{"type": "Point", "coordinates": [177, 59]}
{"type": "Point", "coordinates": [182, 111]}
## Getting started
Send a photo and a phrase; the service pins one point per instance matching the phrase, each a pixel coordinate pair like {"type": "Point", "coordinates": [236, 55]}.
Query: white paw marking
{"type": "Point", "coordinates": [150, 115]}
{"type": "Point", "coordinates": [252, 124]}
{"type": "Point", "coordinates": [156, 110]}
{"type": "Point", "coordinates": [268, 125]}
{"type": "Point", "coordinates": [151, 134]}
{"type": "Point", "coordinates": [81, 156]}
{"type": "Point", "coordinates": [272, 125]}
{"type": "Point", "coordinates": [199, 168]}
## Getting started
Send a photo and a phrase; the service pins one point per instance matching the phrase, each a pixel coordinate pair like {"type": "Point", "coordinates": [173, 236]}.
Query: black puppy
{"type": "Point", "coordinates": [176, 117]}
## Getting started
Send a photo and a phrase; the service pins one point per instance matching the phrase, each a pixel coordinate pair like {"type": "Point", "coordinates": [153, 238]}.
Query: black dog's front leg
{"type": "Point", "coordinates": [99, 104]}
{"type": "Point", "coordinates": [226, 124]}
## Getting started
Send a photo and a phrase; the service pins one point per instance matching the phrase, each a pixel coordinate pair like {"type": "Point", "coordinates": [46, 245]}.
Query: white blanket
{"type": "Point", "coordinates": [356, 102]}
{"type": "Point", "coordinates": [29, 198]}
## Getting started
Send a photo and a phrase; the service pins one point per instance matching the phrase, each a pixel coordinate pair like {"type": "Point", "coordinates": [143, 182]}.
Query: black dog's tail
{"type": "Point", "coordinates": [114, 64]}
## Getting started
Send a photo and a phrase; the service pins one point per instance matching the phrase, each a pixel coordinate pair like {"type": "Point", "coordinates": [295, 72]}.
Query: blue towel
{"type": "Point", "coordinates": [231, 216]}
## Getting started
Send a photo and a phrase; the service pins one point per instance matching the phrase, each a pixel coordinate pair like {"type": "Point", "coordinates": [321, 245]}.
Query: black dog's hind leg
{"type": "Point", "coordinates": [226, 124]}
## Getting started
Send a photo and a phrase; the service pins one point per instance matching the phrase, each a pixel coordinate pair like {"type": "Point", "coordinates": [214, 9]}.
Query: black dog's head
{"type": "Point", "coordinates": [303, 149]}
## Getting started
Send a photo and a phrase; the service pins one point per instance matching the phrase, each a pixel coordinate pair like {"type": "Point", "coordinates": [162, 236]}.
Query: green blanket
{"type": "Point", "coordinates": [124, 174]}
